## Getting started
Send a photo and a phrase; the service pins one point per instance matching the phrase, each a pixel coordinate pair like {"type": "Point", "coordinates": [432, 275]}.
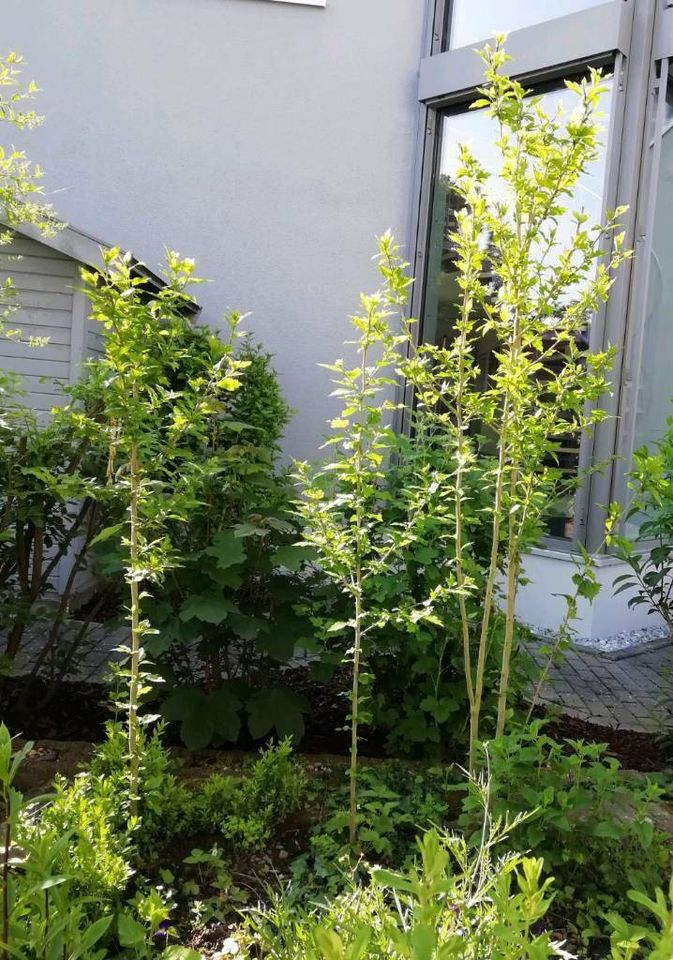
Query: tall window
{"type": "Point", "coordinates": [655, 381]}
{"type": "Point", "coordinates": [476, 129]}
{"type": "Point", "coordinates": [548, 41]}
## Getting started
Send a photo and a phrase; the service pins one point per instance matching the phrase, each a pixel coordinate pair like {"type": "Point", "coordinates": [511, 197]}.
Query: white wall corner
{"type": "Point", "coordinates": [540, 603]}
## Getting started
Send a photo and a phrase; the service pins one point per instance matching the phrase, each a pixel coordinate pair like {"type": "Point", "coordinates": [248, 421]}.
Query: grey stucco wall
{"type": "Point", "coordinates": [269, 141]}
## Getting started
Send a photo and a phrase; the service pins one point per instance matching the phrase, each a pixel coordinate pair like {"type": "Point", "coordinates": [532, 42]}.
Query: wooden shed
{"type": "Point", "coordinates": [45, 275]}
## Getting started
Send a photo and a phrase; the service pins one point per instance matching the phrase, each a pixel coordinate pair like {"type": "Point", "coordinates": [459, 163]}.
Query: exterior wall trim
{"type": "Point", "coordinates": [544, 50]}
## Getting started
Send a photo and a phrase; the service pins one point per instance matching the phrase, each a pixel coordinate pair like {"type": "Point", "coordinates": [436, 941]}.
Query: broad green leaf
{"type": "Point", "coordinates": [131, 931]}
{"type": "Point", "coordinates": [207, 608]}
{"type": "Point", "coordinates": [224, 708]}
{"type": "Point", "coordinates": [278, 709]}
{"type": "Point", "coordinates": [227, 549]}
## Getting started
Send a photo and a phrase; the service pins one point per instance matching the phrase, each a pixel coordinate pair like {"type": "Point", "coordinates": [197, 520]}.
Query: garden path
{"type": "Point", "coordinates": [633, 692]}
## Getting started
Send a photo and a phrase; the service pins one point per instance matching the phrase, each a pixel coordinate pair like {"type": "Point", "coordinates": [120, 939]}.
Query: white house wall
{"type": "Point", "coordinates": [270, 141]}
{"type": "Point", "coordinates": [541, 602]}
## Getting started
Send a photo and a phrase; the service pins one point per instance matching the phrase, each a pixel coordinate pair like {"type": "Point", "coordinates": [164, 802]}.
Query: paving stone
{"type": "Point", "coordinates": [631, 693]}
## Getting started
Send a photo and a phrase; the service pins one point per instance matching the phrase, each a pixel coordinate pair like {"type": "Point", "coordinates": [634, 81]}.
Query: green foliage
{"type": "Point", "coordinates": [650, 554]}
{"type": "Point", "coordinates": [42, 910]}
{"type": "Point", "coordinates": [528, 288]}
{"type": "Point", "coordinates": [34, 531]}
{"type": "Point", "coordinates": [589, 822]}
{"type": "Point", "coordinates": [224, 619]}
{"type": "Point", "coordinates": [246, 810]}
{"type": "Point", "coordinates": [628, 939]}
{"type": "Point", "coordinates": [19, 178]}
{"type": "Point", "coordinates": [395, 804]}
{"type": "Point", "coordinates": [239, 811]}
{"type": "Point", "coordinates": [148, 425]}
{"type": "Point", "coordinates": [450, 904]}
{"type": "Point", "coordinates": [359, 546]}
{"type": "Point", "coordinates": [46, 516]}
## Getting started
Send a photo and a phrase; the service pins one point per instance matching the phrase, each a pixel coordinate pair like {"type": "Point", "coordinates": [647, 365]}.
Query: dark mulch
{"type": "Point", "coordinates": [635, 751]}
{"type": "Point", "coordinates": [78, 711]}
{"type": "Point", "coordinates": [75, 711]}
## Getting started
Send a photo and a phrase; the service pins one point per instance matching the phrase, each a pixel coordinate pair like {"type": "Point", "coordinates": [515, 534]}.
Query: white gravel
{"type": "Point", "coordinates": [628, 641]}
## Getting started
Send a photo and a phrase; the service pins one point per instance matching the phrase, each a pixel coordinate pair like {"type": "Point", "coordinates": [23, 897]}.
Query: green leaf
{"type": "Point", "coordinates": [108, 532]}
{"type": "Point", "coordinates": [224, 709]}
{"type": "Point", "coordinates": [207, 608]}
{"type": "Point", "coordinates": [131, 931]}
{"type": "Point", "coordinates": [329, 943]}
{"type": "Point", "coordinates": [293, 557]}
{"type": "Point", "coordinates": [89, 937]}
{"type": "Point", "coordinates": [243, 530]}
{"type": "Point", "coordinates": [197, 732]}
{"type": "Point", "coordinates": [181, 953]}
{"type": "Point", "coordinates": [280, 709]}
{"type": "Point", "coordinates": [227, 549]}
{"type": "Point", "coordinates": [189, 707]}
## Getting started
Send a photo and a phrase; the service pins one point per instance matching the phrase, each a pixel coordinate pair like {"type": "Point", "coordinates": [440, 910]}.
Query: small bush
{"type": "Point", "coordinates": [473, 908]}
{"type": "Point", "coordinates": [245, 810]}
{"type": "Point", "coordinates": [589, 822]}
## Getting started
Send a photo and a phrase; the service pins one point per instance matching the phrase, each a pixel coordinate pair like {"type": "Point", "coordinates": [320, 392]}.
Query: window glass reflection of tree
{"type": "Point", "coordinates": [656, 373]}
{"type": "Point", "coordinates": [479, 132]}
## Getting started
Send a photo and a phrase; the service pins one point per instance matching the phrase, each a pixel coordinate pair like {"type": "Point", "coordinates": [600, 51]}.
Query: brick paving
{"type": "Point", "coordinates": [633, 692]}
{"type": "Point", "coordinates": [89, 662]}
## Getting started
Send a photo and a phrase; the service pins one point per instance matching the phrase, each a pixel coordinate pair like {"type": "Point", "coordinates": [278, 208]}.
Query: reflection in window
{"type": "Point", "coordinates": [442, 294]}
{"type": "Point", "coordinates": [655, 386]}
{"type": "Point", "coordinates": [469, 22]}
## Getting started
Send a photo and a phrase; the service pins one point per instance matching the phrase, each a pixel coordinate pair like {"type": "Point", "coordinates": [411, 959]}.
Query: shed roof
{"type": "Point", "coordinates": [87, 250]}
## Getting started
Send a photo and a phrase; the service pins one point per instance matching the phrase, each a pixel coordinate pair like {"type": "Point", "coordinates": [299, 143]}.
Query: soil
{"type": "Point", "coordinates": [79, 711]}
{"type": "Point", "coordinates": [635, 751]}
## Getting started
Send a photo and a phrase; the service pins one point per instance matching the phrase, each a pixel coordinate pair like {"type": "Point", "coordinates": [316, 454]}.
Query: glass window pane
{"type": "Point", "coordinates": [440, 307]}
{"type": "Point", "coordinates": [655, 381]}
{"type": "Point", "coordinates": [469, 22]}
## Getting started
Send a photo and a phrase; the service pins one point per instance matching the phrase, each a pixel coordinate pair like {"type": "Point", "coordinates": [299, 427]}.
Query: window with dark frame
{"type": "Point", "coordinates": [628, 38]}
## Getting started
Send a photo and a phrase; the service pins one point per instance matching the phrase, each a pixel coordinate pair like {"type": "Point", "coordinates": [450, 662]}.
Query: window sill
{"type": "Point", "coordinates": [304, 3]}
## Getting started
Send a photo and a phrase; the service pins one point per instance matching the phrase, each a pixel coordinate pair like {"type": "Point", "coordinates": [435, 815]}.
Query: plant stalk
{"type": "Point", "coordinates": [134, 680]}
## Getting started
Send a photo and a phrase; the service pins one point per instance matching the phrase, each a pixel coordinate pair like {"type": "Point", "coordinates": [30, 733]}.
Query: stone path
{"type": "Point", "coordinates": [633, 692]}
{"type": "Point", "coordinates": [89, 662]}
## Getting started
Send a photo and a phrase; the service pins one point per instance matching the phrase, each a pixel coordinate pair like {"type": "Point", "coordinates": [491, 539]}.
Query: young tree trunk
{"type": "Point", "coordinates": [512, 580]}
{"type": "Point", "coordinates": [134, 681]}
{"type": "Point", "coordinates": [355, 695]}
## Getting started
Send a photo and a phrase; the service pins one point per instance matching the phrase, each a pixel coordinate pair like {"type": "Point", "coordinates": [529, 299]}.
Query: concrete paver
{"type": "Point", "coordinates": [632, 693]}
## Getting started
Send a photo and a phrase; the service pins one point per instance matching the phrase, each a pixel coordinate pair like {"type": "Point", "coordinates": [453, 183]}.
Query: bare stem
{"type": "Point", "coordinates": [134, 682]}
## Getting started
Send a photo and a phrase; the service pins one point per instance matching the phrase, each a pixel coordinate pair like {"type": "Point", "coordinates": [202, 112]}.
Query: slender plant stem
{"type": "Point", "coordinates": [134, 682]}
{"type": "Point", "coordinates": [512, 580]}
{"type": "Point", "coordinates": [355, 695]}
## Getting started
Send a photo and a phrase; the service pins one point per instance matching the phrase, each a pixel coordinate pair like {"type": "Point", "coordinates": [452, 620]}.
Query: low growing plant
{"type": "Point", "coordinates": [628, 940]}
{"type": "Point", "coordinates": [451, 903]}
{"type": "Point", "coordinates": [43, 912]}
{"type": "Point", "coordinates": [395, 805]}
{"type": "Point", "coordinates": [589, 822]}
